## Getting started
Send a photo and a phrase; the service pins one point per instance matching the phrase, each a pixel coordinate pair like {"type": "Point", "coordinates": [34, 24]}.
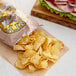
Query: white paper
{"type": "Point", "coordinates": [6, 69]}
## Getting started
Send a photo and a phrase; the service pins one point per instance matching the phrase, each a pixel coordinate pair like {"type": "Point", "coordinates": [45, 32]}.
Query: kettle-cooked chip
{"type": "Point", "coordinates": [44, 64]}
{"type": "Point", "coordinates": [28, 47]}
{"type": "Point", "coordinates": [52, 59]}
{"type": "Point", "coordinates": [48, 41]}
{"type": "Point", "coordinates": [29, 53]}
{"type": "Point", "coordinates": [39, 41]}
{"type": "Point", "coordinates": [46, 54]}
{"type": "Point", "coordinates": [20, 55]}
{"type": "Point", "coordinates": [37, 45]}
{"type": "Point", "coordinates": [25, 61]}
{"type": "Point", "coordinates": [19, 65]}
{"type": "Point", "coordinates": [35, 59]}
{"type": "Point", "coordinates": [40, 51]}
{"type": "Point", "coordinates": [31, 68]}
{"type": "Point", "coordinates": [18, 47]}
{"type": "Point", "coordinates": [55, 50]}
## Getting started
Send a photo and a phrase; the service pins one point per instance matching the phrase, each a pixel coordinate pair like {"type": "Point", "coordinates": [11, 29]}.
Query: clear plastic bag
{"type": "Point", "coordinates": [14, 24]}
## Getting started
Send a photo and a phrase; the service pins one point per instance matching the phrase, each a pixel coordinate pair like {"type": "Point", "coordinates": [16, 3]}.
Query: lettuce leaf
{"type": "Point", "coordinates": [62, 14]}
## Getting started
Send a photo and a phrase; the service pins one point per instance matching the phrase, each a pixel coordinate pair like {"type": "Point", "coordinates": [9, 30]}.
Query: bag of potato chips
{"type": "Point", "coordinates": [14, 24]}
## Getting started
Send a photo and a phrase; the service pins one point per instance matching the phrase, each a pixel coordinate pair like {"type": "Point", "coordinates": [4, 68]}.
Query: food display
{"type": "Point", "coordinates": [36, 50]}
{"type": "Point", "coordinates": [33, 48]}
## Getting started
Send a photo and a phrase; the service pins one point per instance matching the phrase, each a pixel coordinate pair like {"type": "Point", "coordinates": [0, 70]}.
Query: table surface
{"type": "Point", "coordinates": [66, 66]}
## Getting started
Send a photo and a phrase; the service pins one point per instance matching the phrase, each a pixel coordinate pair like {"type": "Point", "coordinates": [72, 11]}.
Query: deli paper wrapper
{"type": "Point", "coordinates": [6, 67]}
{"type": "Point", "coordinates": [11, 57]}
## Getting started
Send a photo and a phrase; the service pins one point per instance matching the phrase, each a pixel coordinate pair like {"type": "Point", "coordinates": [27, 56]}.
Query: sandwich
{"type": "Point", "coordinates": [59, 11]}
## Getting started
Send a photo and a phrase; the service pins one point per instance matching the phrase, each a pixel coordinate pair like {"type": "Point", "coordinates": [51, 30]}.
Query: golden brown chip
{"type": "Point", "coordinates": [20, 55]}
{"type": "Point", "coordinates": [49, 41]}
{"type": "Point", "coordinates": [43, 33]}
{"type": "Point", "coordinates": [18, 47]}
{"type": "Point", "coordinates": [39, 41]}
{"type": "Point", "coordinates": [19, 65]}
{"type": "Point", "coordinates": [28, 47]}
{"type": "Point", "coordinates": [36, 45]}
{"type": "Point", "coordinates": [46, 54]}
{"type": "Point", "coordinates": [32, 68]}
{"type": "Point", "coordinates": [52, 59]}
{"type": "Point", "coordinates": [55, 50]}
{"type": "Point", "coordinates": [35, 59]}
{"type": "Point", "coordinates": [29, 53]}
{"type": "Point", "coordinates": [40, 51]}
{"type": "Point", "coordinates": [43, 64]}
{"type": "Point", "coordinates": [25, 61]}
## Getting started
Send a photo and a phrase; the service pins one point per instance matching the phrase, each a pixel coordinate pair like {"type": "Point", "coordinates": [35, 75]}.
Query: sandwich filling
{"type": "Point", "coordinates": [64, 8]}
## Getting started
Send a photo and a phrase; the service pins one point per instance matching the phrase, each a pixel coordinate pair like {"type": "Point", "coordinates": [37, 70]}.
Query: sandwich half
{"type": "Point", "coordinates": [59, 11]}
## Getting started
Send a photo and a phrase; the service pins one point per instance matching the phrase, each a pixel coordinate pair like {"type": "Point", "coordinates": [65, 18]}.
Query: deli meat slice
{"type": "Point", "coordinates": [52, 1]}
{"type": "Point", "coordinates": [66, 5]}
{"type": "Point", "coordinates": [65, 8]}
{"type": "Point", "coordinates": [75, 7]}
{"type": "Point", "coordinates": [61, 2]}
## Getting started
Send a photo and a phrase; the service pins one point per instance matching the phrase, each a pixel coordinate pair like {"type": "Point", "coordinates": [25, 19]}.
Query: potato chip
{"type": "Point", "coordinates": [28, 47]}
{"type": "Point", "coordinates": [55, 50]}
{"type": "Point", "coordinates": [43, 64]}
{"type": "Point", "coordinates": [25, 61]}
{"type": "Point", "coordinates": [36, 33]}
{"type": "Point", "coordinates": [37, 45]}
{"type": "Point", "coordinates": [46, 54]}
{"type": "Point", "coordinates": [39, 41]}
{"type": "Point", "coordinates": [52, 59]}
{"type": "Point", "coordinates": [29, 53]}
{"type": "Point", "coordinates": [35, 59]}
{"type": "Point", "coordinates": [40, 33]}
{"type": "Point", "coordinates": [31, 68]}
{"type": "Point", "coordinates": [20, 55]}
{"type": "Point", "coordinates": [48, 41]}
{"type": "Point", "coordinates": [61, 45]}
{"type": "Point", "coordinates": [18, 47]}
{"type": "Point", "coordinates": [40, 51]}
{"type": "Point", "coordinates": [19, 65]}
{"type": "Point", "coordinates": [43, 33]}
